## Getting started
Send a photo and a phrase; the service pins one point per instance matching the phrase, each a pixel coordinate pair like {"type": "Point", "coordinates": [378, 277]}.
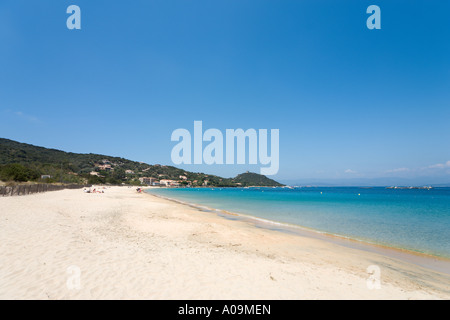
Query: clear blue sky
{"type": "Point", "coordinates": [349, 102]}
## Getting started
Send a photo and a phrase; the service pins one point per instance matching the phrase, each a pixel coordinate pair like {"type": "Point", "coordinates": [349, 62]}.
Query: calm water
{"type": "Point", "coordinates": [417, 220]}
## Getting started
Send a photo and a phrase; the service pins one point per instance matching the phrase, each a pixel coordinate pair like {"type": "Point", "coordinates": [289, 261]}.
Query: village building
{"type": "Point", "coordinates": [169, 183]}
{"type": "Point", "coordinates": [105, 167]}
{"type": "Point", "coordinates": [147, 180]}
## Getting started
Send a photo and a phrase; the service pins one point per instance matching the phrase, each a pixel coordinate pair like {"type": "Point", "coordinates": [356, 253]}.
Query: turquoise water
{"type": "Point", "coordinates": [412, 219]}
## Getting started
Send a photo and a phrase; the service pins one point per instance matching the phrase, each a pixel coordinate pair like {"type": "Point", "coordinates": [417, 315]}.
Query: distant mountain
{"type": "Point", "coordinates": [441, 185]}
{"type": "Point", "coordinates": [370, 182]}
{"type": "Point", "coordinates": [254, 179]}
{"type": "Point", "coordinates": [25, 162]}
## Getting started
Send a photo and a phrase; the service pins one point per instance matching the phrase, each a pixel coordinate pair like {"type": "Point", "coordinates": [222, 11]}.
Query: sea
{"type": "Point", "coordinates": [416, 220]}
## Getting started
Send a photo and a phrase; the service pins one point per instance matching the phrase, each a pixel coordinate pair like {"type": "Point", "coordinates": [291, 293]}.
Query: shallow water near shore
{"type": "Point", "coordinates": [409, 220]}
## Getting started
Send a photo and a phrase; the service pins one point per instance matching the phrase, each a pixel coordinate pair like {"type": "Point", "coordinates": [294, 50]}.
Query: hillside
{"type": "Point", "coordinates": [25, 162]}
{"type": "Point", "coordinates": [254, 179]}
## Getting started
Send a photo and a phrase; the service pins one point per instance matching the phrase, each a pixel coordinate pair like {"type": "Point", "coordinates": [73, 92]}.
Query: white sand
{"type": "Point", "coordinates": [136, 246]}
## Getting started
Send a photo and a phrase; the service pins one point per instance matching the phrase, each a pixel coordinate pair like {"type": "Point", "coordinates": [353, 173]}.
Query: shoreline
{"type": "Point", "coordinates": [430, 261]}
{"type": "Point", "coordinates": [129, 245]}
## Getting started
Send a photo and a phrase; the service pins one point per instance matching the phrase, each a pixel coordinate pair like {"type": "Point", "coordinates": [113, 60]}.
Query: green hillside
{"type": "Point", "coordinates": [254, 179]}
{"type": "Point", "coordinates": [24, 162]}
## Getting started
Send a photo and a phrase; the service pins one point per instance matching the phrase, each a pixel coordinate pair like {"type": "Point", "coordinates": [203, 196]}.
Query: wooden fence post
{"type": "Point", "coordinates": [21, 190]}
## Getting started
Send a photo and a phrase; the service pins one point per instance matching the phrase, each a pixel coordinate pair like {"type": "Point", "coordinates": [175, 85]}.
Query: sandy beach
{"type": "Point", "coordinates": [127, 245]}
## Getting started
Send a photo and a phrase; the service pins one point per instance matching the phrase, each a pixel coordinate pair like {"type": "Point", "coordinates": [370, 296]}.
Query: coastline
{"type": "Point", "coordinates": [433, 262]}
{"type": "Point", "coordinates": [138, 246]}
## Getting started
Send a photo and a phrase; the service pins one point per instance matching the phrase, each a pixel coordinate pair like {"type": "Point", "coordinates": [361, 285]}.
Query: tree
{"type": "Point", "coordinates": [17, 172]}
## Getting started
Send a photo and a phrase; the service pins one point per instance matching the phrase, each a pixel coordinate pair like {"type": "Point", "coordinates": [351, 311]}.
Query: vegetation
{"type": "Point", "coordinates": [254, 179]}
{"type": "Point", "coordinates": [17, 172]}
{"type": "Point", "coordinates": [24, 162]}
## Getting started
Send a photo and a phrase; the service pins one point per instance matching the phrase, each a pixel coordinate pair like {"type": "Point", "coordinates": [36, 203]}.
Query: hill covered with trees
{"type": "Point", "coordinates": [23, 162]}
{"type": "Point", "coordinates": [254, 179]}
